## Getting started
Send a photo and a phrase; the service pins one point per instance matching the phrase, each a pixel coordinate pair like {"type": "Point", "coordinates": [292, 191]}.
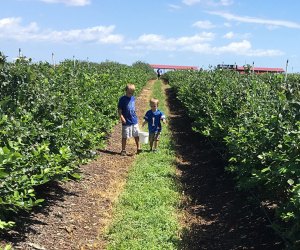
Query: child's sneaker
{"type": "Point", "coordinates": [123, 153]}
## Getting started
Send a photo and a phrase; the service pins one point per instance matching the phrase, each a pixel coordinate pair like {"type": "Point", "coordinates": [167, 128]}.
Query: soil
{"type": "Point", "coordinates": [77, 213]}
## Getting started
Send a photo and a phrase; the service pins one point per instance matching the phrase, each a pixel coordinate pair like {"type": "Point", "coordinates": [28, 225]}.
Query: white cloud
{"type": "Point", "coordinates": [200, 43]}
{"type": "Point", "coordinates": [245, 48]}
{"type": "Point", "coordinates": [11, 28]}
{"type": "Point", "coordinates": [191, 2]}
{"type": "Point", "coordinates": [174, 7]}
{"type": "Point", "coordinates": [110, 39]}
{"type": "Point", "coordinates": [229, 35]}
{"type": "Point", "coordinates": [69, 2]}
{"type": "Point", "coordinates": [158, 42]}
{"type": "Point", "coordinates": [225, 2]}
{"type": "Point", "coordinates": [204, 24]}
{"type": "Point", "coordinates": [246, 19]}
{"type": "Point", "coordinates": [233, 35]}
{"type": "Point", "coordinates": [100, 34]}
{"type": "Point", "coordinates": [264, 53]}
{"type": "Point", "coordinates": [236, 47]}
{"type": "Point", "coordinates": [208, 2]}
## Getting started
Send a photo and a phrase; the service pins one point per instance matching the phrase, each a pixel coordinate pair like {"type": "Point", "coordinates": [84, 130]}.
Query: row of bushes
{"type": "Point", "coordinates": [52, 119]}
{"type": "Point", "coordinates": [257, 117]}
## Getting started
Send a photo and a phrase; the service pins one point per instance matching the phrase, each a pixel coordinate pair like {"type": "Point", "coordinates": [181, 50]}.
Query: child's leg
{"type": "Point", "coordinates": [124, 140]}
{"type": "Point", "coordinates": [137, 143]}
{"type": "Point", "coordinates": [151, 143]}
{"type": "Point", "coordinates": [156, 140]}
{"type": "Point", "coordinates": [151, 139]}
{"type": "Point", "coordinates": [135, 134]}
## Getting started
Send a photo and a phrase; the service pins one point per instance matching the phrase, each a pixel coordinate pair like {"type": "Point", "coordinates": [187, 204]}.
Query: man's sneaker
{"type": "Point", "coordinates": [123, 153]}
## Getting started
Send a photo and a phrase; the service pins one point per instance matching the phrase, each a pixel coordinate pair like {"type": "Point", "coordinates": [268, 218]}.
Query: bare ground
{"type": "Point", "coordinates": [77, 213]}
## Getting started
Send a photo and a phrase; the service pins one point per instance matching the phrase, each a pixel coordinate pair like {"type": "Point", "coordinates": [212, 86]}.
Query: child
{"type": "Point", "coordinates": [128, 117]}
{"type": "Point", "coordinates": [154, 117]}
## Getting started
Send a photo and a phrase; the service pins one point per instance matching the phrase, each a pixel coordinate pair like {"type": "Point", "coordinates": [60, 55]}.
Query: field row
{"type": "Point", "coordinates": [256, 118]}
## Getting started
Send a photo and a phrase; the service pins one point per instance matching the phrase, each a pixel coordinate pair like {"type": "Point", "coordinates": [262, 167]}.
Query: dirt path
{"type": "Point", "coordinates": [217, 217]}
{"type": "Point", "coordinates": [76, 213]}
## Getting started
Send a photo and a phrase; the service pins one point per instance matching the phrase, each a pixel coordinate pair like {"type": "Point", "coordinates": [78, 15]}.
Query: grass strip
{"type": "Point", "coordinates": [145, 216]}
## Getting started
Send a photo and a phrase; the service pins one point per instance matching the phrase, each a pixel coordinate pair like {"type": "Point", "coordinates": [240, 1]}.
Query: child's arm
{"type": "Point", "coordinates": [123, 120]}
{"type": "Point", "coordinates": [163, 118]}
{"type": "Point", "coordinates": [145, 119]}
{"type": "Point", "coordinates": [144, 122]}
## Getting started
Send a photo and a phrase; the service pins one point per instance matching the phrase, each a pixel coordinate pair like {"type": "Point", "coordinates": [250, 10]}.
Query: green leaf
{"type": "Point", "coordinates": [265, 170]}
{"type": "Point", "coordinates": [233, 159]}
{"type": "Point", "coordinates": [39, 201]}
{"type": "Point", "coordinates": [76, 176]}
{"type": "Point", "coordinates": [3, 173]}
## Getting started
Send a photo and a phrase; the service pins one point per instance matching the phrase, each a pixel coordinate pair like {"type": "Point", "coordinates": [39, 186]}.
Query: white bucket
{"type": "Point", "coordinates": [143, 137]}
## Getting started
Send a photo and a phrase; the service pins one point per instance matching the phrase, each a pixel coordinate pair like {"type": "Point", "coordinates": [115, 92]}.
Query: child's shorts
{"type": "Point", "coordinates": [130, 131]}
{"type": "Point", "coordinates": [154, 136]}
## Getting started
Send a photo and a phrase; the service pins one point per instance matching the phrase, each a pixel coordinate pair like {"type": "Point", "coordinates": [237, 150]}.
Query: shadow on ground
{"type": "Point", "coordinates": [217, 215]}
{"type": "Point", "coordinates": [53, 194]}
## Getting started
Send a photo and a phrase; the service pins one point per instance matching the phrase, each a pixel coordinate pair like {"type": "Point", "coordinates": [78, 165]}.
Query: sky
{"type": "Point", "coordinates": [202, 33]}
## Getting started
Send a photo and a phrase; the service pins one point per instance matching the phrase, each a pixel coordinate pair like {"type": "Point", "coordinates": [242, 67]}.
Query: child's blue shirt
{"type": "Point", "coordinates": [127, 105]}
{"type": "Point", "coordinates": [154, 120]}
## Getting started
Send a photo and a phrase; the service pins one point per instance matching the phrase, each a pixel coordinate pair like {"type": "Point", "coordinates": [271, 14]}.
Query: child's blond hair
{"type": "Point", "coordinates": [154, 101]}
{"type": "Point", "coordinates": [130, 86]}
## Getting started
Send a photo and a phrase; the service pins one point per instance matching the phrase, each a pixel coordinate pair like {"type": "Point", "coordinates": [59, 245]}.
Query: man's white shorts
{"type": "Point", "coordinates": [130, 131]}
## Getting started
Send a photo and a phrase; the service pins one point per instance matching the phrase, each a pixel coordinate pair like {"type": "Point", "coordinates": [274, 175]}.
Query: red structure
{"type": "Point", "coordinates": [172, 67]}
{"type": "Point", "coordinates": [260, 70]}
{"type": "Point", "coordinates": [257, 70]}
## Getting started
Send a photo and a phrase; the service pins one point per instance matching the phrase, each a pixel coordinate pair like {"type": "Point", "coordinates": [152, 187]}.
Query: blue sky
{"type": "Point", "coordinates": [178, 32]}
